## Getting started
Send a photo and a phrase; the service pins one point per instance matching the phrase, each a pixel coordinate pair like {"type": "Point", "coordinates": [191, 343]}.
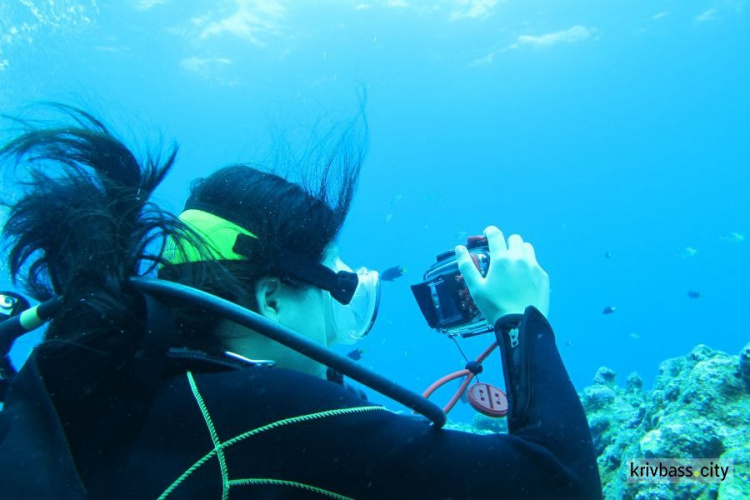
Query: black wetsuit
{"type": "Point", "coordinates": [273, 433]}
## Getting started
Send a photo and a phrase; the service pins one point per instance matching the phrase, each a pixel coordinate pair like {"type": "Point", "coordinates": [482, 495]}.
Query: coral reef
{"type": "Point", "coordinates": [699, 408]}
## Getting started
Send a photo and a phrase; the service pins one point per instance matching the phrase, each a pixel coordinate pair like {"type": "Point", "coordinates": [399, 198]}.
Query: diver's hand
{"type": "Point", "coordinates": [514, 280]}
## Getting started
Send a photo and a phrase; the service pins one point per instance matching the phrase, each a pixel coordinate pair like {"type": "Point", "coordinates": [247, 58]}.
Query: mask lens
{"type": "Point", "coordinates": [354, 321]}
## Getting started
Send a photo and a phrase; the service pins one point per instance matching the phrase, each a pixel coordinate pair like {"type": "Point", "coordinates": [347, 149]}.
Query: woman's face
{"type": "Point", "coordinates": [306, 310]}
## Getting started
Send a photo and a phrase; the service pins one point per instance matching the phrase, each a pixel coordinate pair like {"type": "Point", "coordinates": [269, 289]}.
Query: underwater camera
{"type": "Point", "coordinates": [444, 298]}
{"type": "Point", "coordinates": [447, 306]}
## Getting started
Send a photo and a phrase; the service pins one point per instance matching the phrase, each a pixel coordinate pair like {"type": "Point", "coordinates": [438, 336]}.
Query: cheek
{"type": "Point", "coordinates": [312, 320]}
{"type": "Point", "coordinates": [328, 321]}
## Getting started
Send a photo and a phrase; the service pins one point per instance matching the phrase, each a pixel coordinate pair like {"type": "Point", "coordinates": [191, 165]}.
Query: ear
{"type": "Point", "coordinates": [267, 295]}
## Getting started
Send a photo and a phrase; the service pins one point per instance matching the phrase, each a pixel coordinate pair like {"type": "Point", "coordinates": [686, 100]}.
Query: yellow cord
{"type": "Point", "coordinates": [219, 447]}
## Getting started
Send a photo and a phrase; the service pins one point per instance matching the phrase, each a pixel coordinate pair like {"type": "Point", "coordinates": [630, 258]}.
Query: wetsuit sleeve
{"type": "Point", "coordinates": [547, 453]}
{"type": "Point", "coordinates": [544, 408]}
{"type": "Point", "coordinates": [284, 434]}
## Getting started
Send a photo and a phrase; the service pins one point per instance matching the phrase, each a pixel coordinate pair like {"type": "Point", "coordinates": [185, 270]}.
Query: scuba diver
{"type": "Point", "coordinates": [214, 379]}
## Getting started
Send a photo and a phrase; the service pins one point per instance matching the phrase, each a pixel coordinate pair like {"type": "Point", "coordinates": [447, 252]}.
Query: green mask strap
{"type": "Point", "coordinates": [219, 236]}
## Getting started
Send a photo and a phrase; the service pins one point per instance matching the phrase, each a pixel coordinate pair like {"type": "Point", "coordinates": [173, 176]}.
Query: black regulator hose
{"type": "Point", "coordinates": [295, 341]}
{"type": "Point", "coordinates": [32, 318]}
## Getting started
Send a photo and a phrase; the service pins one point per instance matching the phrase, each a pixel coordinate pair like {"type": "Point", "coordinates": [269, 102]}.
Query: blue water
{"type": "Point", "coordinates": [586, 127]}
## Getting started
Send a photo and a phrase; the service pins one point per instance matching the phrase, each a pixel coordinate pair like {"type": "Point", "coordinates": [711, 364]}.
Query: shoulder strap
{"type": "Point", "coordinates": [148, 367]}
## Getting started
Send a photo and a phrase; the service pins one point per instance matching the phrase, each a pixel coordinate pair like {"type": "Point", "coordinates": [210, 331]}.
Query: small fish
{"type": "Point", "coordinates": [635, 335]}
{"type": "Point", "coordinates": [607, 255]}
{"type": "Point", "coordinates": [733, 237]}
{"type": "Point", "coordinates": [609, 310]}
{"type": "Point", "coordinates": [392, 273]}
{"type": "Point", "coordinates": [689, 253]}
{"type": "Point", "coordinates": [356, 354]}
{"type": "Point", "coordinates": [694, 295]}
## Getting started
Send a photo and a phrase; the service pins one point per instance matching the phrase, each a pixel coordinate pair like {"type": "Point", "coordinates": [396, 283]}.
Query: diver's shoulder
{"type": "Point", "coordinates": [269, 381]}
{"type": "Point", "coordinates": [264, 386]}
{"type": "Point", "coordinates": [238, 401]}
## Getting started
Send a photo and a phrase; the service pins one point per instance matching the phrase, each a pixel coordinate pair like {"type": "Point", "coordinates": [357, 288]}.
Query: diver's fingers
{"type": "Point", "coordinates": [529, 253]}
{"type": "Point", "coordinates": [515, 246]}
{"type": "Point", "coordinates": [466, 266]}
{"type": "Point", "coordinates": [495, 241]}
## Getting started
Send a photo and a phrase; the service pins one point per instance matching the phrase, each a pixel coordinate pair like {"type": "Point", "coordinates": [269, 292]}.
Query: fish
{"type": "Point", "coordinates": [733, 237]}
{"type": "Point", "coordinates": [609, 310]}
{"type": "Point", "coordinates": [392, 273]}
{"type": "Point", "coordinates": [607, 255]}
{"type": "Point", "coordinates": [689, 253]}
{"type": "Point", "coordinates": [356, 354]}
{"type": "Point", "coordinates": [693, 294]}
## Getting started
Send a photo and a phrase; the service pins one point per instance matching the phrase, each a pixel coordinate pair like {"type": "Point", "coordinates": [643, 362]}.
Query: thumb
{"type": "Point", "coordinates": [467, 268]}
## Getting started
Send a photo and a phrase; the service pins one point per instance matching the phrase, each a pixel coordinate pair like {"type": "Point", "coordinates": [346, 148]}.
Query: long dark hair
{"type": "Point", "coordinates": [84, 224]}
{"type": "Point", "coordinates": [302, 218]}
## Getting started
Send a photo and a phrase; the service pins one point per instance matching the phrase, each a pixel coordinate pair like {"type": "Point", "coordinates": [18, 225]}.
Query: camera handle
{"type": "Point", "coordinates": [485, 398]}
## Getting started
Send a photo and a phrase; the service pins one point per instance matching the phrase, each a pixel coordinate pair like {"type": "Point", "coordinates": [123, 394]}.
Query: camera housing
{"type": "Point", "coordinates": [445, 300]}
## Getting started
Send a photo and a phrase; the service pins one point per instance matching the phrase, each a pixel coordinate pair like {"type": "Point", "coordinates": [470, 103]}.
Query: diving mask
{"type": "Point", "coordinates": [355, 297]}
{"type": "Point", "coordinates": [353, 321]}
